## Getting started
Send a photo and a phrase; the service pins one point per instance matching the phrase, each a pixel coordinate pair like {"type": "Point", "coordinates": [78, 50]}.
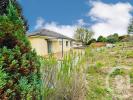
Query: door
{"type": "Point", "coordinates": [49, 46]}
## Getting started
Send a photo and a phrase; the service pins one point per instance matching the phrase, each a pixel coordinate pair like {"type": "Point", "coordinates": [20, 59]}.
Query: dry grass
{"type": "Point", "coordinates": [101, 61]}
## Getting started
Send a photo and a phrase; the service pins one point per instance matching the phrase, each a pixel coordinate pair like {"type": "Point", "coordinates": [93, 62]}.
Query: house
{"type": "Point", "coordinates": [46, 42]}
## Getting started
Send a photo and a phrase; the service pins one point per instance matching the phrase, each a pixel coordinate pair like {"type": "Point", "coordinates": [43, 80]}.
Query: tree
{"type": "Point", "coordinates": [3, 7]}
{"type": "Point", "coordinates": [19, 65]}
{"type": "Point", "coordinates": [101, 39]}
{"type": "Point", "coordinates": [130, 27]}
{"type": "Point", "coordinates": [113, 38]}
{"type": "Point", "coordinates": [92, 41]}
{"type": "Point", "coordinates": [84, 35]}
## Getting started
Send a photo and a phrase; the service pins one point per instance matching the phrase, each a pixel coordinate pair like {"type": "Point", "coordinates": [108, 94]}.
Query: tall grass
{"type": "Point", "coordinates": [64, 79]}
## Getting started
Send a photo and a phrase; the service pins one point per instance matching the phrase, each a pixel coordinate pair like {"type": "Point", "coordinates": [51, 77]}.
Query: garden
{"type": "Point", "coordinates": [88, 75]}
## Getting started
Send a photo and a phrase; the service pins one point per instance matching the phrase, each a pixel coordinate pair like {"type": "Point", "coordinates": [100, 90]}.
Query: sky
{"type": "Point", "coordinates": [103, 17]}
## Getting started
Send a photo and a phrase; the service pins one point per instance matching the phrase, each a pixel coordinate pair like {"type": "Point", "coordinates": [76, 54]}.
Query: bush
{"type": "Point", "coordinates": [129, 54]}
{"type": "Point", "coordinates": [19, 66]}
{"type": "Point", "coordinates": [101, 39]}
{"type": "Point", "coordinates": [118, 72]}
{"type": "Point", "coordinates": [91, 41]}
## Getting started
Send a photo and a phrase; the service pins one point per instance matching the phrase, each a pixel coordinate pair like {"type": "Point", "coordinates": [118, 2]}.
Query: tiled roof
{"type": "Point", "coordinates": [45, 32]}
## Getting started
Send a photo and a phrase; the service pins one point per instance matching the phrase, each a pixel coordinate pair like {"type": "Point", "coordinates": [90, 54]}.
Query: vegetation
{"type": "Point", "coordinates": [19, 66]}
{"type": "Point", "coordinates": [130, 27]}
{"type": "Point", "coordinates": [92, 41]}
{"type": "Point", "coordinates": [3, 10]}
{"type": "Point", "coordinates": [101, 39]}
{"type": "Point", "coordinates": [3, 6]}
{"type": "Point", "coordinates": [101, 62]}
{"type": "Point", "coordinates": [78, 76]}
{"type": "Point", "coordinates": [83, 76]}
{"type": "Point", "coordinates": [113, 38]}
{"type": "Point", "coordinates": [84, 35]}
{"type": "Point", "coordinates": [66, 79]}
{"type": "Point", "coordinates": [110, 39]}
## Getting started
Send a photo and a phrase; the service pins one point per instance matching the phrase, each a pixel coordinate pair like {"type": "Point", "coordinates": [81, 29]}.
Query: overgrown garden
{"type": "Point", "coordinates": [78, 76]}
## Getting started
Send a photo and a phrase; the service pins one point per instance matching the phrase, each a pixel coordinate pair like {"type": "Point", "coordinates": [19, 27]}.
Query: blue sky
{"type": "Point", "coordinates": [65, 15]}
{"type": "Point", "coordinates": [62, 11]}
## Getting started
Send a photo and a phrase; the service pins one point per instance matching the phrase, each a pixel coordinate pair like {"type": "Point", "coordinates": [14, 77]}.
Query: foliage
{"type": "Point", "coordinates": [118, 72]}
{"type": "Point", "coordinates": [129, 54]}
{"type": "Point", "coordinates": [130, 27]}
{"type": "Point", "coordinates": [3, 78]}
{"type": "Point", "coordinates": [113, 38]}
{"type": "Point", "coordinates": [3, 10]}
{"type": "Point", "coordinates": [3, 6]}
{"type": "Point", "coordinates": [131, 76]}
{"type": "Point", "coordinates": [101, 39]}
{"type": "Point", "coordinates": [124, 38]}
{"type": "Point", "coordinates": [19, 65]}
{"type": "Point", "coordinates": [84, 35]}
{"type": "Point", "coordinates": [64, 80]}
{"type": "Point", "coordinates": [91, 41]}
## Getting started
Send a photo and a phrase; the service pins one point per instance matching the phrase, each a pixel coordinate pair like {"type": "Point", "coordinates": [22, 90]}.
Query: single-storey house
{"type": "Point", "coordinates": [46, 42]}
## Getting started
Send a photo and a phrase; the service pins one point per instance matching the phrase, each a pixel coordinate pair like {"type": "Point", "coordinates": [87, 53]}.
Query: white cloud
{"type": "Point", "coordinates": [81, 22]}
{"type": "Point", "coordinates": [110, 18]}
{"type": "Point", "coordinates": [67, 30]}
{"type": "Point", "coordinates": [39, 23]}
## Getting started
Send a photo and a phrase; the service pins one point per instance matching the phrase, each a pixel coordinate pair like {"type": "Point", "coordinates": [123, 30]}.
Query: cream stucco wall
{"type": "Point", "coordinates": [40, 45]}
{"type": "Point", "coordinates": [66, 48]}
{"type": "Point", "coordinates": [57, 45]}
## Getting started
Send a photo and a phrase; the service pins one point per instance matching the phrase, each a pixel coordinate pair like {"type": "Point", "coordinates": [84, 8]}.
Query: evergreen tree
{"type": "Point", "coordinates": [19, 66]}
{"type": "Point", "coordinates": [130, 27]}
{"type": "Point", "coordinates": [3, 6]}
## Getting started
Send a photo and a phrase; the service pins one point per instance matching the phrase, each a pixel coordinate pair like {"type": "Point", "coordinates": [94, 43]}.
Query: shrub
{"type": "Point", "coordinates": [118, 72]}
{"type": "Point", "coordinates": [129, 54]}
{"type": "Point", "coordinates": [101, 39]}
{"type": "Point", "coordinates": [19, 74]}
{"type": "Point", "coordinates": [91, 41]}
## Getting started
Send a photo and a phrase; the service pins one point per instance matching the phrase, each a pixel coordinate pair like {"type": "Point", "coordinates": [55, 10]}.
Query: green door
{"type": "Point", "coordinates": [49, 46]}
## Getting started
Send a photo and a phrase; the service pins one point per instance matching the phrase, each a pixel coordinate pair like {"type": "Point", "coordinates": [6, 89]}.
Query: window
{"type": "Point", "coordinates": [66, 43]}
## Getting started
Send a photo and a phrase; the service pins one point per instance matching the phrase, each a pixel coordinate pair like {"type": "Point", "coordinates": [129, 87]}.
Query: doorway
{"type": "Point", "coordinates": [49, 46]}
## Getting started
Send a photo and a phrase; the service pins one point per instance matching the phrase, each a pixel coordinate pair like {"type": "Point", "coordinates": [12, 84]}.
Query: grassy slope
{"type": "Point", "coordinates": [101, 61]}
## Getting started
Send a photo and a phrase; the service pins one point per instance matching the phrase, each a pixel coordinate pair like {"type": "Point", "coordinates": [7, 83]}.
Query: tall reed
{"type": "Point", "coordinates": [64, 79]}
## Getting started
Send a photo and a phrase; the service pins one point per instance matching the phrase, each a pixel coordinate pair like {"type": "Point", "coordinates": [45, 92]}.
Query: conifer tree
{"type": "Point", "coordinates": [3, 6]}
{"type": "Point", "coordinates": [130, 27]}
{"type": "Point", "coordinates": [19, 66]}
